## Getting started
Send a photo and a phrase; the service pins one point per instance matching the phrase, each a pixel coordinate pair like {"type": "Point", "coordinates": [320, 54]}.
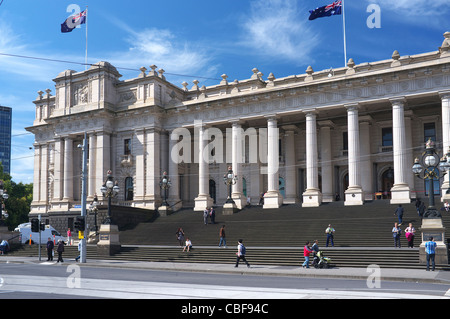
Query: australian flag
{"type": "Point", "coordinates": [326, 11]}
{"type": "Point", "coordinates": [73, 21]}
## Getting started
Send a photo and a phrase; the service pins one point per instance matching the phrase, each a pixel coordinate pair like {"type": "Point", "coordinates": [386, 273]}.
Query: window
{"type": "Point", "coordinates": [386, 136]}
{"type": "Point", "coordinates": [129, 188]}
{"type": "Point", "coordinates": [127, 146]}
{"type": "Point", "coordinates": [429, 131]}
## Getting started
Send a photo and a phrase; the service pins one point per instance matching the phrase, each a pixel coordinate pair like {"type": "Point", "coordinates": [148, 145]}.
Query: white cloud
{"type": "Point", "coordinates": [414, 7]}
{"type": "Point", "coordinates": [164, 49]}
{"type": "Point", "coordinates": [276, 28]}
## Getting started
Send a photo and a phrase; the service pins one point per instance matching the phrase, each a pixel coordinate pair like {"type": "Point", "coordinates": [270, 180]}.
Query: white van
{"type": "Point", "coordinates": [25, 232]}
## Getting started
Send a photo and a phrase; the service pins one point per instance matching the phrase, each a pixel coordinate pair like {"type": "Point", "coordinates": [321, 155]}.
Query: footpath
{"type": "Point", "coordinates": [370, 273]}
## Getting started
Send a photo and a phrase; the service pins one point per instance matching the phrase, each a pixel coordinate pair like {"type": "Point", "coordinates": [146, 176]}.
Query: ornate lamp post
{"type": "Point", "coordinates": [165, 184]}
{"type": "Point", "coordinates": [431, 168]}
{"type": "Point", "coordinates": [229, 179]}
{"type": "Point", "coordinates": [109, 189]}
{"type": "Point", "coordinates": [108, 243]}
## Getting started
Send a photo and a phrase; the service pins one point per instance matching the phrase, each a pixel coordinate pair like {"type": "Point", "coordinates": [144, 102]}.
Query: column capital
{"type": "Point", "coordinates": [290, 128]}
{"type": "Point", "coordinates": [236, 122]}
{"type": "Point", "coordinates": [398, 101]}
{"type": "Point", "coordinates": [444, 95]}
{"type": "Point", "coordinates": [352, 107]}
{"type": "Point", "coordinates": [365, 119]}
{"type": "Point", "coordinates": [326, 123]}
{"type": "Point", "coordinates": [271, 117]}
{"type": "Point", "coordinates": [309, 112]}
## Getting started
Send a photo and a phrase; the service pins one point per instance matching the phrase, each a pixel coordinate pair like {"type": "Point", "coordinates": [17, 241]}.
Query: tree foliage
{"type": "Point", "coordinates": [18, 203]}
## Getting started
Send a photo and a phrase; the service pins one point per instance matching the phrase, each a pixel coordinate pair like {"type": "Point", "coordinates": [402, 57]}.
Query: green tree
{"type": "Point", "coordinates": [19, 201]}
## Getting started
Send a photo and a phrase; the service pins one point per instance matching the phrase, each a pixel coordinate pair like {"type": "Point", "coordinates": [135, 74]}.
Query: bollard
{"type": "Point", "coordinates": [30, 240]}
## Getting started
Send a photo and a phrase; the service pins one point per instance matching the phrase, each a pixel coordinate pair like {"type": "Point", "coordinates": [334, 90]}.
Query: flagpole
{"type": "Point", "coordinates": [86, 57]}
{"type": "Point", "coordinates": [345, 40]}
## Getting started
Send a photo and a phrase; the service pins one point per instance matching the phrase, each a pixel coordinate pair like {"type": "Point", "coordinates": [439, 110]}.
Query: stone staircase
{"type": "Point", "coordinates": [272, 237]}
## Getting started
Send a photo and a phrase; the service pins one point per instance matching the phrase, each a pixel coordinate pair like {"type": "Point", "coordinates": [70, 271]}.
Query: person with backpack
{"type": "Point", "coordinates": [241, 254]}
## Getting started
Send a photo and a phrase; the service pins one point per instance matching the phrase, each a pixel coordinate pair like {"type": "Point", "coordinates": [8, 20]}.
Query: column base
{"type": "Point", "coordinates": [202, 202]}
{"type": "Point", "coordinates": [272, 200]}
{"type": "Point", "coordinates": [400, 194]}
{"type": "Point", "coordinates": [312, 198]}
{"type": "Point", "coordinates": [229, 209]}
{"type": "Point", "coordinates": [433, 227]}
{"type": "Point", "coordinates": [354, 196]}
{"type": "Point", "coordinates": [108, 243]}
{"type": "Point", "coordinates": [164, 211]}
{"type": "Point", "coordinates": [239, 200]}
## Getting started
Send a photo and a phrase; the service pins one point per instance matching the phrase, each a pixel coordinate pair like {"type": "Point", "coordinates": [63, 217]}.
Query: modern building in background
{"type": "Point", "coordinates": [350, 133]}
{"type": "Point", "coordinates": [5, 138]}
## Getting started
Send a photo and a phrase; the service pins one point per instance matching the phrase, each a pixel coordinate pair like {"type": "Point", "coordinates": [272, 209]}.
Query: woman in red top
{"type": "Point", "coordinates": [306, 252]}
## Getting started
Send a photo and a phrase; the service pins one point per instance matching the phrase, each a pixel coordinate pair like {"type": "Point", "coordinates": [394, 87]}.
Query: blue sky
{"type": "Point", "coordinates": [200, 39]}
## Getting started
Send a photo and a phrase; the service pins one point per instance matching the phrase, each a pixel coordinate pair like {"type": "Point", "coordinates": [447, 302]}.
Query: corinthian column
{"type": "Point", "coordinates": [273, 198]}
{"type": "Point", "coordinates": [203, 200]}
{"type": "Point", "coordinates": [445, 100]}
{"type": "Point", "coordinates": [354, 194]}
{"type": "Point", "coordinates": [400, 193]}
{"type": "Point", "coordinates": [312, 197]}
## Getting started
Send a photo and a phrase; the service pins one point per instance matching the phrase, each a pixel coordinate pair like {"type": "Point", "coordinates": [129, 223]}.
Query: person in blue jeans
{"type": "Point", "coordinates": [399, 212]}
{"type": "Point", "coordinates": [330, 235]}
{"type": "Point", "coordinates": [430, 249]}
{"type": "Point", "coordinates": [306, 252]}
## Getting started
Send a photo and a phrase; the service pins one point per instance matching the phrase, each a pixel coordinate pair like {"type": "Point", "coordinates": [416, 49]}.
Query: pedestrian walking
{"type": "Point", "coordinates": [205, 216]}
{"type": "Point", "coordinates": [261, 199]}
{"type": "Point", "coordinates": [180, 236]}
{"type": "Point", "coordinates": [306, 252]}
{"type": "Point", "coordinates": [330, 235]}
{"type": "Point", "coordinates": [399, 212]}
{"type": "Point", "coordinates": [241, 254]}
{"type": "Point", "coordinates": [396, 233]}
{"type": "Point", "coordinates": [50, 247]}
{"type": "Point", "coordinates": [430, 250]}
{"type": "Point", "coordinates": [69, 237]}
{"type": "Point", "coordinates": [223, 239]}
{"type": "Point", "coordinates": [60, 250]}
{"type": "Point", "coordinates": [212, 215]}
{"type": "Point", "coordinates": [418, 203]}
{"type": "Point", "coordinates": [410, 233]}
{"type": "Point", "coordinates": [79, 251]}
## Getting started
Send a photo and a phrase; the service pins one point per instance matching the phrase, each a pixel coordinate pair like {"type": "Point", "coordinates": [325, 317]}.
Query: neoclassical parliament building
{"type": "Point", "coordinates": [350, 133]}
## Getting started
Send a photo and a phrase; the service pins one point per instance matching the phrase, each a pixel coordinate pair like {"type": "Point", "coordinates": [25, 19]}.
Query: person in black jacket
{"type": "Point", "coordinates": [50, 247]}
{"type": "Point", "coordinates": [60, 250]}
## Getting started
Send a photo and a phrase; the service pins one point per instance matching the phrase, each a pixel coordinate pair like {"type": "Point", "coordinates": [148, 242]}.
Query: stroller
{"type": "Point", "coordinates": [319, 261]}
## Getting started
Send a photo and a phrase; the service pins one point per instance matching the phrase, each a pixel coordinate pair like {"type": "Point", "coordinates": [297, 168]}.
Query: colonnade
{"type": "Point", "coordinates": [149, 149]}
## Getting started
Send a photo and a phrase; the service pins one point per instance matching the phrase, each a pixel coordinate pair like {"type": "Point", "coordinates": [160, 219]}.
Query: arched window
{"type": "Point", "coordinates": [129, 188]}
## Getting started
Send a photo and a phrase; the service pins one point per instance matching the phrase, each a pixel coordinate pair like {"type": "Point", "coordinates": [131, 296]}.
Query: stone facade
{"type": "Point", "coordinates": [306, 138]}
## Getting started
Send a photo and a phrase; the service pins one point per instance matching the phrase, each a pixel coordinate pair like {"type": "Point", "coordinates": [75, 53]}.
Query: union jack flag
{"type": "Point", "coordinates": [326, 11]}
{"type": "Point", "coordinates": [73, 21]}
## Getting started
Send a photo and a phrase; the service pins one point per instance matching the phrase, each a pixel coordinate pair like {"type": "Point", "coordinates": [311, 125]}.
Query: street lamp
{"type": "Point", "coordinates": [432, 170]}
{"type": "Point", "coordinates": [229, 179]}
{"type": "Point", "coordinates": [109, 189]}
{"type": "Point", "coordinates": [165, 184]}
